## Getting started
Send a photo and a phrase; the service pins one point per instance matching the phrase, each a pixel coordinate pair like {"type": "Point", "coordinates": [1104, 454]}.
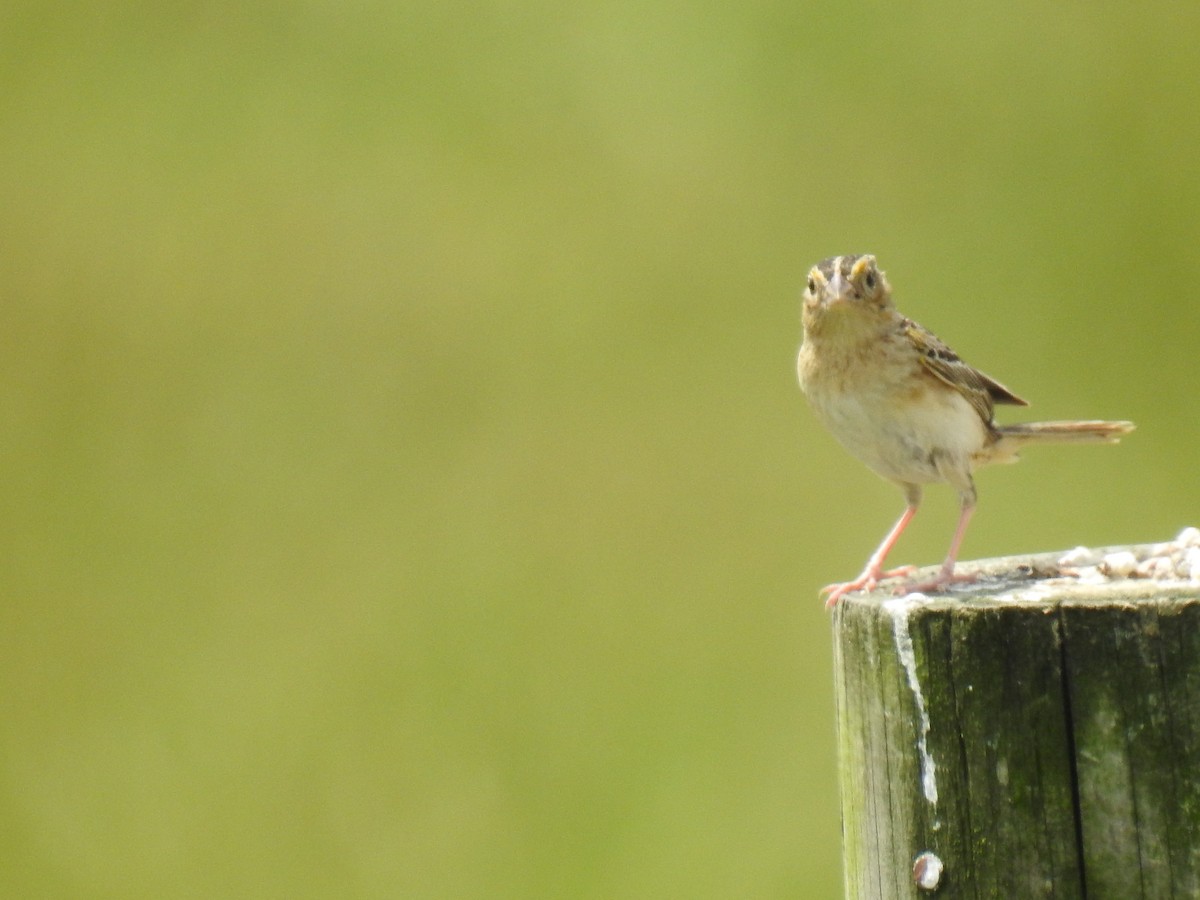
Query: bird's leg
{"type": "Point", "coordinates": [946, 574]}
{"type": "Point", "coordinates": [874, 572]}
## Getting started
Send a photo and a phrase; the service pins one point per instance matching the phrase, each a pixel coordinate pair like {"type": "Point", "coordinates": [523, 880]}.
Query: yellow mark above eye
{"type": "Point", "coordinates": [860, 266]}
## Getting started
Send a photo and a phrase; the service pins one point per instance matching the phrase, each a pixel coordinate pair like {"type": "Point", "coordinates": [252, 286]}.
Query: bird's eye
{"type": "Point", "coordinates": [869, 281]}
{"type": "Point", "coordinates": [812, 286]}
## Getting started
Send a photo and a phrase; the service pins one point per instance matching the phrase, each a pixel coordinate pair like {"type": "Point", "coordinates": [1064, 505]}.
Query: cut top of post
{"type": "Point", "coordinates": [1124, 573]}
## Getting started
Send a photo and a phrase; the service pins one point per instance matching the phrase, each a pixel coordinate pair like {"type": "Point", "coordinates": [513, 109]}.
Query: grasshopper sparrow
{"type": "Point", "coordinates": [904, 403]}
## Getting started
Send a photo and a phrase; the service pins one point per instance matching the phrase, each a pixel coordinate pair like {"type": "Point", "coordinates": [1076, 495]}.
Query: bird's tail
{"type": "Point", "coordinates": [1012, 438]}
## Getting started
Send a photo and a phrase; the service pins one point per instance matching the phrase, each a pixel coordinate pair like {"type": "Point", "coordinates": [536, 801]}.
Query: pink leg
{"type": "Point", "coordinates": [873, 573]}
{"type": "Point", "coordinates": [946, 575]}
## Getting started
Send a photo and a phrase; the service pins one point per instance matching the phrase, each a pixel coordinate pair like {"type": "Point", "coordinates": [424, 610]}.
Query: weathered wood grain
{"type": "Point", "coordinates": [1037, 735]}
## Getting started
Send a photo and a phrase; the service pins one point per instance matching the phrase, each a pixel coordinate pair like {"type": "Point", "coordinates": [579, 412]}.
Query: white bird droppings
{"type": "Point", "coordinates": [899, 609]}
{"type": "Point", "coordinates": [1177, 560]}
{"type": "Point", "coordinates": [1119, 565]}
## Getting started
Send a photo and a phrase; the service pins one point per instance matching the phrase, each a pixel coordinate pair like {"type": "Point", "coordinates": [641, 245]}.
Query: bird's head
{"type": "Point", "coordinates": [844, 291]}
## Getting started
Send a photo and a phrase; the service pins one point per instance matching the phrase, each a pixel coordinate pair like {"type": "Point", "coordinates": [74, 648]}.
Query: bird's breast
{"type": "Point", "coordinates": [892, 414]}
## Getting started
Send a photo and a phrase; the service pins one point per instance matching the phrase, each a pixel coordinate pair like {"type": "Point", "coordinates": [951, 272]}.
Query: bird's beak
{"type": "Point", "coordinates": [840, 290]}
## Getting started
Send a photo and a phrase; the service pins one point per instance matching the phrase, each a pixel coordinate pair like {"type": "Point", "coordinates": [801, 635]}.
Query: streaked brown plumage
{"type": "Point", "coordinates": [905, 404]}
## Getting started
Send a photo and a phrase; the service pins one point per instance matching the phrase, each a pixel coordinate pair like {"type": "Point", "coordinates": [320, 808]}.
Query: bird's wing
{"type": "Point", "coordinates": [978, 389]}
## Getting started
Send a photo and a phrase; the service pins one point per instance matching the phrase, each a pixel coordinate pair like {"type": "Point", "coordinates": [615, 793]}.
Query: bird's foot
{"type": "Point", "coordinates": [867, 581]}
{"type": "Point", "coordinates": [944, 578]}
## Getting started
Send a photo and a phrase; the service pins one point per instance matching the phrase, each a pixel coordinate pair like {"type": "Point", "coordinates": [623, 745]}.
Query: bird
{"type": "Point", "coordinates": [905, 404]}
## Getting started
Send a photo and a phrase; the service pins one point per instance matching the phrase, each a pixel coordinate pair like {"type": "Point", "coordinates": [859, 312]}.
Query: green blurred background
{"type": "Point", "coordinates": [406, 491]}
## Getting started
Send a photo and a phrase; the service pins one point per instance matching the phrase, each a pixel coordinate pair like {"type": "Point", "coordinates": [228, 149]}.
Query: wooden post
{"type": "Point", "coordinates": [1034, 734]}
